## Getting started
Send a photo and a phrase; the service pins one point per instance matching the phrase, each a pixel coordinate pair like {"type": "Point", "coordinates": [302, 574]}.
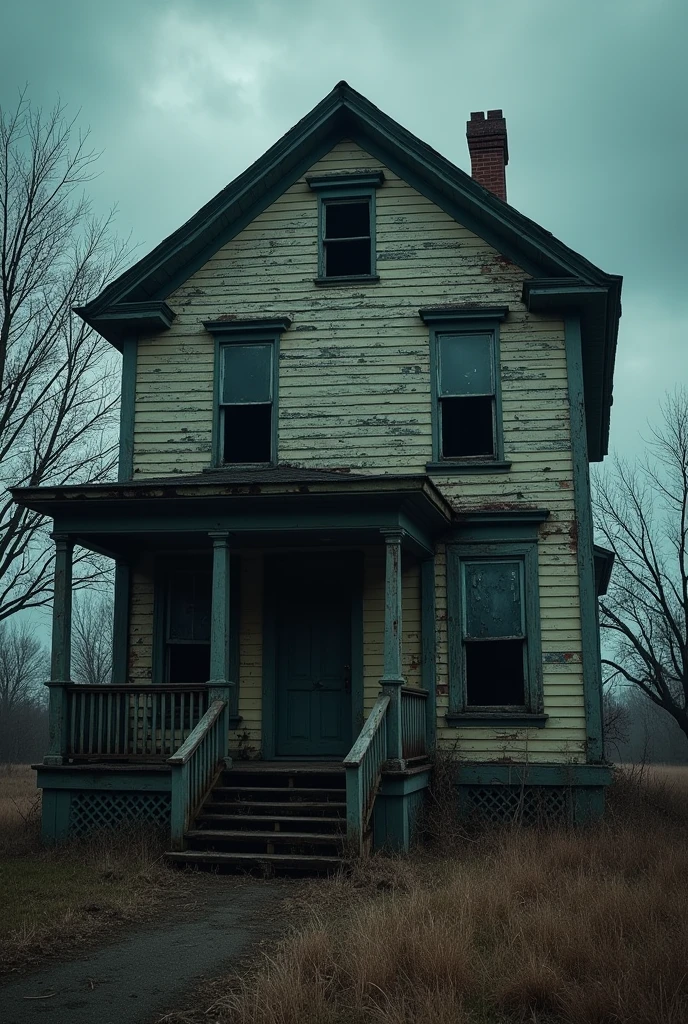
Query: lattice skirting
{"type": "Point", "coordinates": [94, 810]}
{"type": "Point", "coordinates": [530, 805]}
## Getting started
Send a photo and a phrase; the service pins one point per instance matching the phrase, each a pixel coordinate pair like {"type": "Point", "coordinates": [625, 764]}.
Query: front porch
{"type": "Point", "coordinates": [274, 634]}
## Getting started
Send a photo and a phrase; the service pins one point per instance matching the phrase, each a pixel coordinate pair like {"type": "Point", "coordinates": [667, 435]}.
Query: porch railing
{"type": "Point", "coordinates": [195, 766]}
{"type": "Point", "coordinates": [413, 722]}
{"type": "Point", "coordinates": [363, 766]}
{"type": "Point", "coordinates": [146, 723]}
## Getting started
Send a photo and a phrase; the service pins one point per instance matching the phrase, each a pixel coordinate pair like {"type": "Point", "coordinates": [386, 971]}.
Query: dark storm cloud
{"type": "Point", "coordinates": [183, 95]}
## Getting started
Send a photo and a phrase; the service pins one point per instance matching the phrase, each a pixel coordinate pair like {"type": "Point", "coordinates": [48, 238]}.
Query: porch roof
{"type": "Point", "coordinates": [277, 505]}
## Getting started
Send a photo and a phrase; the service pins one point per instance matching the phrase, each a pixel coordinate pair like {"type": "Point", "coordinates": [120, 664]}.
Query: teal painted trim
{"type": "Point", "coordinates": [466, 468]}
{"type": "Point", "coordinates": [429, 646]}
{"type": "Point", "coordinates": [493, 527]}
{"type": "Point", "coordinates": [269, 702]}
{"type": "Point", "coordinates": [248, 328]}
{"type": "Point", "coordinates": [152, 779]}
{"type": "Point", "coordinates": [120, 624]}
{"type": "Point", "coordinates": [238, 337]}
{"type": "Point", "coordinates": [604, 564]}
{"type": "Point", "coordinates": [127, 409]}
{"type": "Point", "coordinates": [357, 676]}
{"type": "Point", "coordinates": [533, 774]}
{"type": "Point", "coordinates": [403, 783]}
{"type": "Point", "coordinates": [119, 321]}
{"type": "Point", "coordinates": [220, 610]}
{"type": "Point", "coordinates": [55, 809]}
{"type": "Point", "coordinates": [393, 607]}
{"type": "Point", "coordinates": [61, 649]}
{"type": "Point", "coordinates": [331, 282]}
{"type": "Point", "coordinates": [588, 804]}
{"type": "Point", "coordinates": [57, 723]}
{"type": "Point", "coordinates": [592, 669]}
{"type": "Point", "coordinates": [497, 720]}
{"type": "Point", "coordinates": [344, 182]}
{"type": "Point", "coordinates": [464, 325]}
{"type": "Point", "coordinates": [527, 554]}
{"type": "Point", "coordinates": [450, 316]}
{"type": "Point", "coordinates": [338, 193]}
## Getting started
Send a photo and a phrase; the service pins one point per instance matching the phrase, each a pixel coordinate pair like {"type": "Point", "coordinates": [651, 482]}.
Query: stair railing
{"type": "Point", "coordinates": [363, 766]}
{"type": "Point", "coordinates": [196, 765]}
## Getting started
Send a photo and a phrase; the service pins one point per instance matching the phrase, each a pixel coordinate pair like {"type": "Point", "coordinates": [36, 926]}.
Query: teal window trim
{"type": "Point", "coordinates": [165, 565]}
{"type": "Point", "coordinates": [338, 188]}
{"type": "Point", "coordinates": [526, 553]}
{"type": "Point", "coordinates": [456, 321]}
{"type": "Point", "coordinates": [265, 332]}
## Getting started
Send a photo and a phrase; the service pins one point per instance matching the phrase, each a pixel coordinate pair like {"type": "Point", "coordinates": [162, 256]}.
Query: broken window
{"type": "Point", "coordinates": [466, 396]}
{"type": "Point", "coordinates": [494, 634]}
{"type": "Point", "coordinates": [347, 243]}
{"type": "Point", "coordinates": [246, 403]}
{"type": "Point", "coordinates": [188, 627]}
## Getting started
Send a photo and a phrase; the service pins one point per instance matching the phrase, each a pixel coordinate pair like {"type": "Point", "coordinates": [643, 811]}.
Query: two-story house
{"type": "Point", "coordinates": [352, 525]}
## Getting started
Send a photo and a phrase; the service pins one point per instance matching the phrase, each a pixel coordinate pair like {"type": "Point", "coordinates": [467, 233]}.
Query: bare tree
{"type": "Point", "coordinates": [642, 514]}
{"type": "Point", "coordinates": [23, 667]}
{"type": "Point", "coordinates": [58, 389]}
{"type": "Point", "coordinates": [92, 639]}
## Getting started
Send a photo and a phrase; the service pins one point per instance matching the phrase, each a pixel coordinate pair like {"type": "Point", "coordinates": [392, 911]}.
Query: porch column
{"type": "Point", "coordinates": [61, 650]}
{"type": "Point", "coordinates": [392, 680]}
{"type": "Point", "coordinates": [219, 620]}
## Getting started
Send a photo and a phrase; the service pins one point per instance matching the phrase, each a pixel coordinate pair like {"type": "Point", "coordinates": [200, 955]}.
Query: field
{"type": "Point", "coordinates": [516, 925]}
{"type": "Point", "coordinates": [51, 900]}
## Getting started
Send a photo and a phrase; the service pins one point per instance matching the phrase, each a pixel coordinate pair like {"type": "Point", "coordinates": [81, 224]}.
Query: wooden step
{"type": "Point", "coordinates": [279, 790]}
{"type": "Point", "coordinates": [337, 824]}
{"type": "Point", "coordinates": [296, 805]}
{"type": "Point", "coordinates": [272, 837]}
{"type": "Point", "coordinates": [292, 861]}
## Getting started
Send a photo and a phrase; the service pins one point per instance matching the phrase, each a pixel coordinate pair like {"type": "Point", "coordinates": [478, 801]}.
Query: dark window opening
{"type": "Point", "coordinates": [188, 663]}
{"type": "Point", "coordinates": [247, 433]}
{"type": "Point", "coordinates": [494, 673]}
{"type": "Point", "coordinates": [467, 427]}
{"type": "Point", "coordinates": [347, 243]}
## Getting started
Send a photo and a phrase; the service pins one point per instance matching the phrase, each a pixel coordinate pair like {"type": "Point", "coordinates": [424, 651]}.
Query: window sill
{"type": "Point", "coordinates": [224, 466]}
{"type": "Point", "coordinates": [489, 466]}
{"type": "Point", "coordinates": [513, 719]}
{"type": "Point", "coordinates": [325, 282]}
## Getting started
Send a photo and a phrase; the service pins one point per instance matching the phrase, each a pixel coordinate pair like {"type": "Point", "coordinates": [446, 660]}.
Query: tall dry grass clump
{"type": "Point", "coordinates": [586, 926]}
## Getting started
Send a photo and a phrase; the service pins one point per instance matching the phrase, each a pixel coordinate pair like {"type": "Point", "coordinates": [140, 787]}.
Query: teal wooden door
{"type": "Point", "coordinates": [313, 664]}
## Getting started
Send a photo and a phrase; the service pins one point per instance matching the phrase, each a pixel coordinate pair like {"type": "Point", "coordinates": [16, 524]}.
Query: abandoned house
{"type": "Point", "coordinates": [352, 525]}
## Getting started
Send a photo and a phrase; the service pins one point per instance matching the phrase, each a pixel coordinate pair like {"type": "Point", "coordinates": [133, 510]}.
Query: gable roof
{"type": "Point", "coordinates": [135, 300]}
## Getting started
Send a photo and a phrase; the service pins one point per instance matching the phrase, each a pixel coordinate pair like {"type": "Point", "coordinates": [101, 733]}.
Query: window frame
{"type": "Point", "coordinates": [259, 332]}
{"type": "Point", "coordinates": [524, 552]}
{"type": "Point", "coordinates": [443, 322]}
{"type": "Point", "coordinates": [334, 188]}
{"type": "Point", "coordinates": [165, 565]}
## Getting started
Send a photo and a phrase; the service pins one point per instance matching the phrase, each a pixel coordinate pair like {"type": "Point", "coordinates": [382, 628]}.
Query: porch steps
{"type": "Point", "coordinates": [271, 817]}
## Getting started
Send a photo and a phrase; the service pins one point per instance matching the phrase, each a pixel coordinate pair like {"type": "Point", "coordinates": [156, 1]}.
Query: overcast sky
{"type": "Point", "coordinates": [182, 95]}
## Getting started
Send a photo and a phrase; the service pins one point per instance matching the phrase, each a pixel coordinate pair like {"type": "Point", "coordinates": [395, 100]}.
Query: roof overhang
{"type": "Point", "coordinates": [114, 517]}
{"type": "Point", "coordinates": [599, 309]}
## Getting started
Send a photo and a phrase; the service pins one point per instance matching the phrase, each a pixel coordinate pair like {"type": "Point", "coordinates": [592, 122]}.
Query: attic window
{"type": "Point", "coordinates": [347, 239]}
{"type": "Point", "coordinates": [346, 226]}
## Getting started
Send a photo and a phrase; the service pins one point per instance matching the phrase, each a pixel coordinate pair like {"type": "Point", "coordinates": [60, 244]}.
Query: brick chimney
{"type": "Point", "coordinates": [489, 151]}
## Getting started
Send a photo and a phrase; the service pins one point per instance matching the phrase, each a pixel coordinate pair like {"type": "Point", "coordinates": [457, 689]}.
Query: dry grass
{"type": "Point", "coordinates": [572, 927]}
{"type": "Point", "coordinates": [51, 900]}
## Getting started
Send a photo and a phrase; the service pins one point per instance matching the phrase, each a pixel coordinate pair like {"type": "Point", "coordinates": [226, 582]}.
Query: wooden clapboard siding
{"type": "Point", "coordinates": [141, 622]}
{"type": "Point", "coordinates": [248, 735]}
{"type": "Point", "coordinates": [354, 390]}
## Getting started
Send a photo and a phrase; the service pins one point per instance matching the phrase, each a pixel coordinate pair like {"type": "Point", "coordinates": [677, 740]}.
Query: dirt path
{"type": "Point", "coordinates": [144, 973]}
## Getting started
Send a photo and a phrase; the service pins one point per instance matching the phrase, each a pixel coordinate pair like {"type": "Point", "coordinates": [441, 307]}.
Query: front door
{"type": "Point", "coordinates": [313, 659]}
